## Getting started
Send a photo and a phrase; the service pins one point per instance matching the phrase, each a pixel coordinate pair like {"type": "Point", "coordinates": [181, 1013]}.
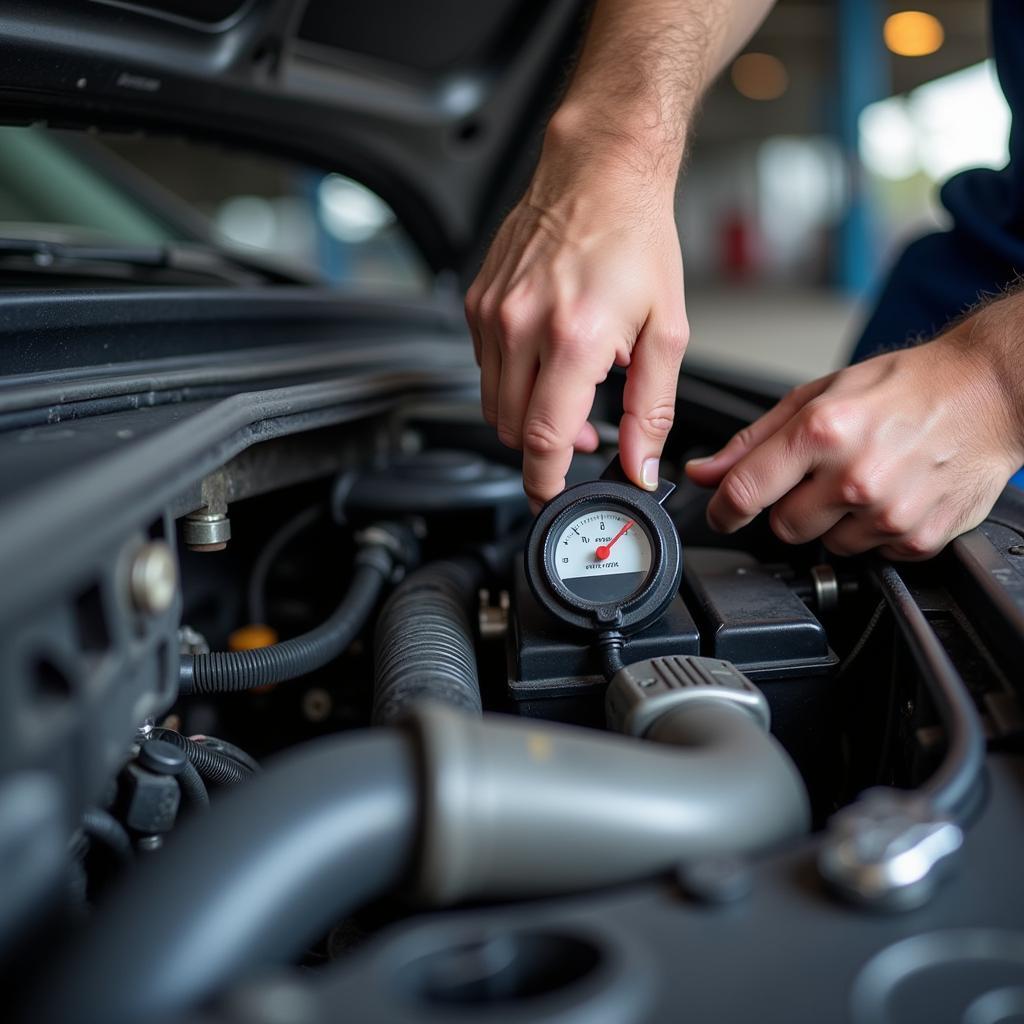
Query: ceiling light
{"type": "Point", "coordinates": [913, 33]}
{"type": "Point", "coordinates": [759, 76]}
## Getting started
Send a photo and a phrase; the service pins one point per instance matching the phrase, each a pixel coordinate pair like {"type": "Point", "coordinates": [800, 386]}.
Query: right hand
{"type": "Point", "coordinates": [585, 273]}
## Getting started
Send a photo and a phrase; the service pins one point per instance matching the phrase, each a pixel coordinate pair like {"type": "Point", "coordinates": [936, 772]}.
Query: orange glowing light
{"type": "Point", "coordinates": [759, 76]}
{"type": "Point", "coordinates": [913, 33]}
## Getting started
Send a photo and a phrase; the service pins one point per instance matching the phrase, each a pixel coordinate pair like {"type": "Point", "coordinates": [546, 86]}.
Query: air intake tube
{"type": "Point", "coordinates": [517, 810]}
{"type": "Point", "coordinates": [425, 642]}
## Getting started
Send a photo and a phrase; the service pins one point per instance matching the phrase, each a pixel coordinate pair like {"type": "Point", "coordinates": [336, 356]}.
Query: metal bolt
{"type": "Point", "coordinates": [888, 850]}
{"type": "Point", "coordinates": [149, 844]}
{"type": "Point", "coordinates": [154, 577]}
{"type": "Point", "coordinates": [826, 587]}
{"type": "Point", "coordinates": [206, 531]}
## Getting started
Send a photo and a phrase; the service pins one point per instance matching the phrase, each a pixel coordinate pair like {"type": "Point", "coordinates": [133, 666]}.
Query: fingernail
{"type": "Point", "coordinates": [700, 461]}
{"type": "Point", "coordinates": [649, 474]}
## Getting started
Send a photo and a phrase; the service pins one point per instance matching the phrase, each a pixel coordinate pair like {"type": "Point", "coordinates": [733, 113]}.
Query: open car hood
{"type": "Point", "coordinates": [436, 106]}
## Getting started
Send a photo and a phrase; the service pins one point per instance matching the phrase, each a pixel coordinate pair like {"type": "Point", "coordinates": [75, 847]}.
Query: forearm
{"type": "Point", "coordinates": [993, 338]}
{"type": "Point", "coordinates": [586, 271]}
{"type": "Point", "coordinates": [643, 69]}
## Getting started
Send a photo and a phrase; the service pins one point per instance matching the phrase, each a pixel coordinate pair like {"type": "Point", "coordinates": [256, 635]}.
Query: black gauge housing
{"type": "Point", "coordinates": [644, 605]}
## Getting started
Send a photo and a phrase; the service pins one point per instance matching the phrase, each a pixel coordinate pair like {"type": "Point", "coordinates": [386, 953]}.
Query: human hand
{"type": "Point", "coordinates": [902, 453]}
{"type": "Point", "coordinates": [585, 273]}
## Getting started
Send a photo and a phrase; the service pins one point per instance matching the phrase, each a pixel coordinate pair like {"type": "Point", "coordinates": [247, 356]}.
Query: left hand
{"type": "Point", "coordinates": [902, 453]}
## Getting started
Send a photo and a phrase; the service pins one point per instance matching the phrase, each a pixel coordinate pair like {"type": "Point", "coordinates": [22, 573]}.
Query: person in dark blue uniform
{"type": "Point", "coordinates": [901, 451]}
{"type": "Point", "coordinates": [942, 276]}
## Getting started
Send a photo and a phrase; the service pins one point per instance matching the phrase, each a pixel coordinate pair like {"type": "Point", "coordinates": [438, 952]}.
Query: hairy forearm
{"type": "Point", "coordinates": [643, 69]}
{"type": "Point", "coordinates": [993, 337]}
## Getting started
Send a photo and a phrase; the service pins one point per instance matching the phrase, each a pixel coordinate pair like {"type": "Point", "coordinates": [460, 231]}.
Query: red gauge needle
{"type": "Point", "coordinates": [604, 550]}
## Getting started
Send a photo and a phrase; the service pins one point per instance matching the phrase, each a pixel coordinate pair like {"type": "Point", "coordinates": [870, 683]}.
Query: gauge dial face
{"type": "Point", "coordinates": [603, 556]}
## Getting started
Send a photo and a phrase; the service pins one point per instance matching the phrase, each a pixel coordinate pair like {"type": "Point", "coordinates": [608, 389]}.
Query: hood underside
{"type": "Point", "coordinates": [438, 106]}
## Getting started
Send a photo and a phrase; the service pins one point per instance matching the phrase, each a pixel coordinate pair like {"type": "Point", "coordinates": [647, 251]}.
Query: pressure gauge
{"type": "Point", "coordinates": [605, 555]}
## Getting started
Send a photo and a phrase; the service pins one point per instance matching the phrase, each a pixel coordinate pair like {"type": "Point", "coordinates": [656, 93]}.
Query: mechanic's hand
{"type": "Point", "coordinates": [902, 452]}
{"type": "Point", "coordinates": [585, 273]}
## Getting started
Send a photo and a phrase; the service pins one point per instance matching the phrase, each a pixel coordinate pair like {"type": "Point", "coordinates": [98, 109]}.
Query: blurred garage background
{"type": "Point", "coordinates": [817, 156]}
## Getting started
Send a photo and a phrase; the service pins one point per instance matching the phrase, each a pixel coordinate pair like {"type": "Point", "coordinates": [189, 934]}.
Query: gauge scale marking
{"type": "Point", "coordinates": [603, 556]}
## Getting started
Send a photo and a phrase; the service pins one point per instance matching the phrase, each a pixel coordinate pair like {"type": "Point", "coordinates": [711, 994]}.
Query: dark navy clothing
{"type": "Point", "coordinates": [940, 276]}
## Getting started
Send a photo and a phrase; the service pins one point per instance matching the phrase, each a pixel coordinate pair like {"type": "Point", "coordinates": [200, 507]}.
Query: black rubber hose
{"type": "Point", "coordinates": [235, 753]}
{"type": "Point", "coordinates": [424, 642]}
{"type": "Point", "coordinates": [316, 835]}
{"type": "Point", "coordinates": [193, 789]}
{"type": "Point", "coordinates": [214, 767]}
{"type": "Point", "coordinates": [277, 543]}
{"type": "Point", "coordinates": [103, 828]}
{"type": "Point", "coordinates": [609, 646]}
{"type": "Point", "coordinates": [954, 785]}
{"type": "Point", "coordinates": [231, 671]}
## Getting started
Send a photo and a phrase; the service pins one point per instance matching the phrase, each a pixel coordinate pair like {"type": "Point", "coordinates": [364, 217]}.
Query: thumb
{"type": "Point", "coordinates": [649, 401]}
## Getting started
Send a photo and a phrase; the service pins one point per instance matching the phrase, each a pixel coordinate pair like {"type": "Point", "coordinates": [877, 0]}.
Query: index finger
{"type": "Point", "coordinates": [709, 471]}
{"type": "Point", "coordinates": [558, 410]}
{"type": "Point", "coordinates": [771, 470]}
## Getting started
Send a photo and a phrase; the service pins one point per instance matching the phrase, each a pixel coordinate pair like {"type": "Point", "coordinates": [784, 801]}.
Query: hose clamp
{"type": "Point", "coordinates": [391, 538]}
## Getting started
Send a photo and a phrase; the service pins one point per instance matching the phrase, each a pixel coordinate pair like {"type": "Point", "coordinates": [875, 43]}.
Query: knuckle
{"type": "Point", "coordinates": [571, 336]}
{"type": "Point", "coordinates": [824, 427]}
{"type": "Point", "coordinates": [923, 543]}
{"type": "Point", "coordinates": [858, 488]}
{"type": "Point", "coordinates": [675, 339]}
{"type": "Point", "coordinates": [743, 438]}
{"type": "Point", "coordinates": [510, 316]}
{"type": "Point", "coordinates": [487, 307]}
{"type": "Point", "coordinates": [738, 493]}
{"type": "Point", "coordinates": [657, 422]}
{"type": "Point", "coordinates": [893, 520]}
{"type": "Point", "coordinates": [540, 436]}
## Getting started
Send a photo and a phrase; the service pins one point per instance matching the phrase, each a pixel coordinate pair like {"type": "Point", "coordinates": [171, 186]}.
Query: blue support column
{"type": "Point", "coordinates": [862, 72]}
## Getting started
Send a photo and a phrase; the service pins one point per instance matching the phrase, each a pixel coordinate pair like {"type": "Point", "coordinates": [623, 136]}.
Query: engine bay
{"type": "Point", "coordinates": [299, 726]}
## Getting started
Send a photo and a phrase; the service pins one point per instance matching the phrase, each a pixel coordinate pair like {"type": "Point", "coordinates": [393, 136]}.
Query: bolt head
{"type": "Point", "coordinates": [154, 578]}
{"type": "Point", "coordinates": [888, 850]}
{"type": "Point", "coordinates": [206, 531]}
